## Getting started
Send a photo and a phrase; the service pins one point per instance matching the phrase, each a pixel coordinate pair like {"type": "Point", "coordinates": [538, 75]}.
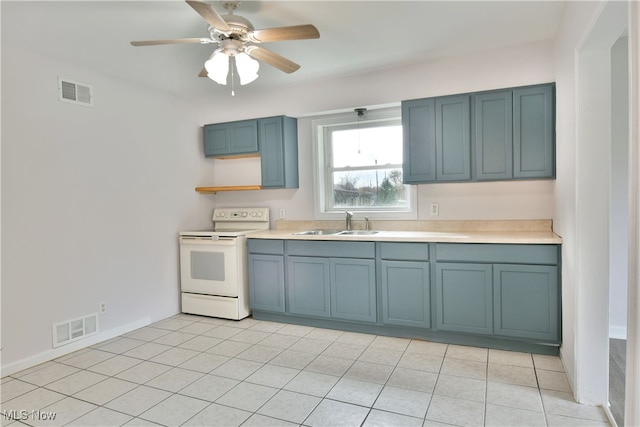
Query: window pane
{"type": "Point", "coordinates": [371, 146]}
{"type": "Point", "coordinates": [362, 188]}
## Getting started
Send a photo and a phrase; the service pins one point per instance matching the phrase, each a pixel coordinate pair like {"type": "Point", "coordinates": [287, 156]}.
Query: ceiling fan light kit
{"type": "Point", "coordinates": [235, 37]}
{"type": "Point", "coordinates": [247, 68]}
{"type": "Point", "coordinates": [217, 68]}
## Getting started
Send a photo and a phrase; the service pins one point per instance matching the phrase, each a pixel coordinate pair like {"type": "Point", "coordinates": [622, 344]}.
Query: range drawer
{"type": "Point", "coordinates": [405, 251]}
{"type": "Point", "coordinates": [331, 249]}
{"type": "Point", "coordinates": [497, 253]}
{"type": "Point", "coordinates": [260, 246]}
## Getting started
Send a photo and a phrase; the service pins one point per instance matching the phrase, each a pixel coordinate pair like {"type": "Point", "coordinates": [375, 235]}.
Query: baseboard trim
{"type": "Point", "coordinates": [54, 353]}
{"type": "Point", "coordinates": [607, 412]}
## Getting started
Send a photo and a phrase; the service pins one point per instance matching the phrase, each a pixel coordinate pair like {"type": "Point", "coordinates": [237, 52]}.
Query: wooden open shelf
{"type": "Point", "coordinates": [213, 190]}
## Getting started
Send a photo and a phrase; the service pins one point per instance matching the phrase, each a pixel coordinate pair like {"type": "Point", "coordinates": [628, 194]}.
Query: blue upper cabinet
{"type": "Point", "coordinates": [534, 132]}
{"type": "Point", "coordinates": [231, 139]}
{"type": "Point", "coordinates": [274, 139]}
{"type": "Point", "coordinates": [278, 138]}
{"type": "Point", "coordinates": [419, 141]}
{"type": "Point", "coordinates": [453, 138]}
{"type": "Point", "coordinates": [493, 135]}
{"type": "Point", "coordinates": [436, 137]}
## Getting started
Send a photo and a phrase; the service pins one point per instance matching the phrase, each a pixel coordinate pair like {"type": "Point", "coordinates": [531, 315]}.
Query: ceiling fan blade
{"type": "Point", "coordinates": [271, 58]}
{"type": "Point", "coordinates": [203, 72]}
{"type": "Point", "coordinates": [171, 41]}
{"type": "Point", "coordinates": [209, 14]}
{"type": "Point", "coordinates": [294, 32]}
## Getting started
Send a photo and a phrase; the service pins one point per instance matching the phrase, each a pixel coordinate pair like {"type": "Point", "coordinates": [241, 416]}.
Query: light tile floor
{"type": "Point", "coordinates": [198, 371]}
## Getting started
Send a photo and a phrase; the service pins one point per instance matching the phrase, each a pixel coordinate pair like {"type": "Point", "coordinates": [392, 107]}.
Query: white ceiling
{"type": "Point", "coordinates": [355, 36]}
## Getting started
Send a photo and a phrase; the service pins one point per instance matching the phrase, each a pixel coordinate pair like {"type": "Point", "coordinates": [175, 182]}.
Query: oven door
{"type": "Point", "coordinates": [211, 266]}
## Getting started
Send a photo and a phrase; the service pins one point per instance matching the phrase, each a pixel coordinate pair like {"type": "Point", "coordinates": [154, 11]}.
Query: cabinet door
{"type": "Point", "coordinates": [279, 152]}
{"type": "Point", "coordinates": [526, 301]}
{"type": "Point", "coordinates": [243, 137]}
{"type": "Point", "coordinates": [534, 132]}
{"type": "Point", "coordinates": [453, 138]}
{"type": "Point", "coordinates": [493, 135]}
{"type": "Point", "coordinates": [353, 289]}
{"type": "Point", "coordinates": [406, 294]}
{"type": "Point", "coordinates": [464, 298]}
{"type": "Point", "coordinates": [419, 141]}
{"type": "Point", "coordinates": [266, 282]}
{"type": "Point", "coordinates": [226, 139]}
{"type": "Point", "coordinates": [308, 286]}
{"type": "Point", "coordinates": [216, 141]}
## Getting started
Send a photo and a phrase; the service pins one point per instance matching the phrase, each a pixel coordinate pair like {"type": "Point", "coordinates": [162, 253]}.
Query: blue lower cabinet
{"type": "Point", "coordinates": [464, 298]}
{"type": "Point", "coordinates": [526, 301]}
{"type": "Point", "coordinates": [266, 282]}
{"type": "Point", "coordinates": [406, 293]}
{"type": "Point", "coordinates": [353, 289]}
{"type": "Point", "coordinates": [504, 296]}
{"type": "Point", "coordinates": [308, 286]}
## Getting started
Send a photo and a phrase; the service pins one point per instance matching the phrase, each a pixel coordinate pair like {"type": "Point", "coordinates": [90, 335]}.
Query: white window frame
{"type": "Point", "coordinates": [322, 182]}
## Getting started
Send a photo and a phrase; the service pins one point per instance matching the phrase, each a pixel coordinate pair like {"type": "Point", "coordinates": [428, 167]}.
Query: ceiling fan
{"type": "Point", "coordinates": [237, 43]}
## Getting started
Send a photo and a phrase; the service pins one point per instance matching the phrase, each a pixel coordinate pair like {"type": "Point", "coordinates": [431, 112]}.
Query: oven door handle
{"type": "Point", "coordinates": [200, 240]}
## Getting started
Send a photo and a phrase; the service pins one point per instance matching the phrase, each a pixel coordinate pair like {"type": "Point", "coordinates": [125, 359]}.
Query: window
{"type": "Point", "coordinates": [359, 165]}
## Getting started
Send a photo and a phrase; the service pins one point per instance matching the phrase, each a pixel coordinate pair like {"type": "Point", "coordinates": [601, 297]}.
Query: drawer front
{"type": "Point", "coordinates": [497, 253]}
{"type": "Point", "coordinates": [260, 246]}
{"type": "Point", "coordinates": [331, 249]}
{"type": "Point", "coordinates": [405, 251]}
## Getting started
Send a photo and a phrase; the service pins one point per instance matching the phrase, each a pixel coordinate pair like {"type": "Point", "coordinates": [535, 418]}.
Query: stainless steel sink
{"type": "Point", "coordinates": [357, 232]}
{"type": "Point", "coordinates": [328, 232]}
{"type": "Point", "coordinates": [318, 232]}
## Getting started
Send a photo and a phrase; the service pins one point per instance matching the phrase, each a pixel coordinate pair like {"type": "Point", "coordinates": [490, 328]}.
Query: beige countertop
{"type": "Point", "coordinates": [514, 232]}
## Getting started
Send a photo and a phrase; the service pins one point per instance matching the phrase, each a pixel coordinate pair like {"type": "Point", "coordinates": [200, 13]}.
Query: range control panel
{"type": "Point", "coordinates": [241, 214]}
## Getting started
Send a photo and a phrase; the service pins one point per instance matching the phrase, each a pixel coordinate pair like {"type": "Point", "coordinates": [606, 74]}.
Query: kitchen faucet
{"type": "Point", "coordinates": [349, 216]}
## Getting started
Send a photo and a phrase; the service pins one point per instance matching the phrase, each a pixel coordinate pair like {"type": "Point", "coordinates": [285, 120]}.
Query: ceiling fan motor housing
{"type": "Point", "coordinates": [239, 25]}
{"type": "Point", "coordinates": [231, 46]}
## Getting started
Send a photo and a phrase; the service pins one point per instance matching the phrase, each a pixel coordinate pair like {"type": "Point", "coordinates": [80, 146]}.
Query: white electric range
{"type": "Point", "coordinates": [213, 263]}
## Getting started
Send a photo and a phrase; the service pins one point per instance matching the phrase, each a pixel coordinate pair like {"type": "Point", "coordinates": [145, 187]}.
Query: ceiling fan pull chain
{"type": "Point", "coordinates": [233, 66]}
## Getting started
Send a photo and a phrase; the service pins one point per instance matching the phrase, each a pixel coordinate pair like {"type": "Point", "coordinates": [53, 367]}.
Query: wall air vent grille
{"type": "Point", "coordinates": [72, 330]}
{"type": "Point", "coordinates": [74, 92]}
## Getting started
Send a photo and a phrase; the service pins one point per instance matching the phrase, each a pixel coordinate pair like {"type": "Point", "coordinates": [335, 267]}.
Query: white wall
{"type": "Point", "coordinates": [92, 201]}
{"type": "Point", "coordinates": [618, 259]}
{"type": "Point", "coordinates": [582, 193]}
{"type": "Point", "coordinates": [510, 67]}
{"type": "Point", "coordinates": [632, 383]}
{"type": "Point", "coordinates": [576, 18]}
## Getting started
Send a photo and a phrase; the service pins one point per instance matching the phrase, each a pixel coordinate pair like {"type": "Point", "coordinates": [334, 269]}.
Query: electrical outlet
{"type": "Point", "coordinates": [435, 210]}
{"type": "Point", "coordinates": [283, 213]}
{"type": "Point", "coordinates": [102, 307]}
